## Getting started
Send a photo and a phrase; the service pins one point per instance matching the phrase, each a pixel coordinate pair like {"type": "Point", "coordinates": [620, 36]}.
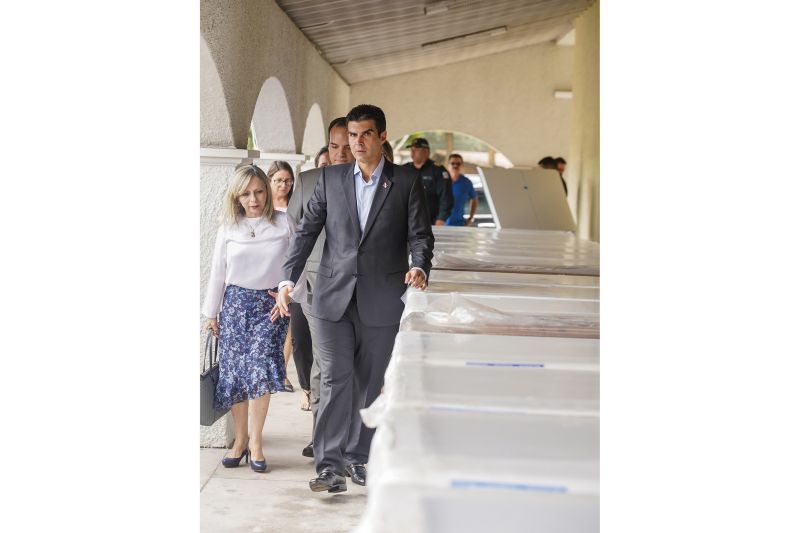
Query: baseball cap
{"type": "Point", "coordinates": [419, 142]}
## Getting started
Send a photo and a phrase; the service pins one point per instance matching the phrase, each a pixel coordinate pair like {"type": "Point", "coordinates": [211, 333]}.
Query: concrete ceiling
{"type": "Point", "coordinates": [368, 39]}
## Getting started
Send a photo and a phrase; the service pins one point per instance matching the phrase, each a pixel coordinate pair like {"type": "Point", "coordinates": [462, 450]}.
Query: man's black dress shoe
{"type": "Point", "coordinates": [358, 472]}
{"type": "Point", "coordinates": [330, 481]}
{"type": "Point", "coordinates": [308, 451]}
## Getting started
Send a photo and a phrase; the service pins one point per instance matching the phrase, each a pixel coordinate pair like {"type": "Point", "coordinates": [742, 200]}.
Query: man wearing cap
{"type": "Point", "coordinates": [435, 180]}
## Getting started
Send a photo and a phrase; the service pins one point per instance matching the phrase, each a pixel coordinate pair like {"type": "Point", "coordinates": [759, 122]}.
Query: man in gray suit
{"type": "Point", "coordinates": [374, 213]}
{"type": "Point", "coordinates": [303, 326]}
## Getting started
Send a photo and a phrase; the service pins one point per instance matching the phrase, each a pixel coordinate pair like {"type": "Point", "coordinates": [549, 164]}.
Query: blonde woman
{"type": "Point", "coordinates": [240, 306]}
{"type": "Point", "coordinates": [281, 181]}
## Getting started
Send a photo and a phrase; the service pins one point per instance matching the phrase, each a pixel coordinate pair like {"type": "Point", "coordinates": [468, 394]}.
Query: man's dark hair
{"type": "Point", "coordinates": [547, 162]}
{"type": "Point", "coordinates": [323, 150]}
{"type": "Point", "coordinates": [368, 112]}
{"type": "Point", "coordinates": [451, 156]}
{"type": "Point", "coordinates": [340, 122]}
{"type": "Point", "coordinates": [560, 160]}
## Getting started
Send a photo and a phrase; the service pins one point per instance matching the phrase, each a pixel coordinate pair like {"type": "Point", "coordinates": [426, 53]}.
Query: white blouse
{"type": "Point", "coordinates": [251, 262]}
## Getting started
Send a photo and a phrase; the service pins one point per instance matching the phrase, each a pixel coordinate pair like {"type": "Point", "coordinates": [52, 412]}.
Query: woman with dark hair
{"type": "Point", "coordinates": [281, 180]}
{"type": "Point", "coordinates": [323, 158]}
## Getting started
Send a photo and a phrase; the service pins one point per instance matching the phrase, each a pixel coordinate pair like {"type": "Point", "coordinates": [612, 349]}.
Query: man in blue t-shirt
{"type": "Point", "coordinates": [462, 191]}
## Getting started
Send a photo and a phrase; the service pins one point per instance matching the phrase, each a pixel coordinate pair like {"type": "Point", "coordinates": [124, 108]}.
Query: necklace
{"type": "Point", "coordinates": [253, 229]}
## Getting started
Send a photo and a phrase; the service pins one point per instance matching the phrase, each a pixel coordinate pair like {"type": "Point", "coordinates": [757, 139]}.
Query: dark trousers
{"type": "Point", "coordinates": [301, 345]}
{"type": "Point", "coordinates": [353, 358]}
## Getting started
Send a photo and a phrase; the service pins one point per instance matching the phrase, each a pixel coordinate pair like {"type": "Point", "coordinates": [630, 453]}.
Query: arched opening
{"type": "Point", "coordinates": [475, 151]}
{"type": "Point", "coordinates": [272, 120]}
{"type": "Point", "coordinates": [215, 122]}
{"type": "Point", "coordinates": [314, 135]}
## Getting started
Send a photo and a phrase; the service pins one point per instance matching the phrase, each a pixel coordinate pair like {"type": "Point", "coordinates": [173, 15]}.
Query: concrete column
{"type": "Point", "coordinates": [216, 168]}
{"type": "Point", "coordinates": [583, 164]}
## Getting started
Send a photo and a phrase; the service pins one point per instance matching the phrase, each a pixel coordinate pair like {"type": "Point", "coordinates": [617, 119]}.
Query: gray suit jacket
{"type": "Point", "coordinates": [373, 264]}
{"type": "Point", "coordinates": [300, 197]}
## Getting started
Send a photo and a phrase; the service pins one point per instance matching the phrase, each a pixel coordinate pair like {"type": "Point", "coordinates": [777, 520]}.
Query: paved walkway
{"type": "Point", "coordinates": [240, 500]}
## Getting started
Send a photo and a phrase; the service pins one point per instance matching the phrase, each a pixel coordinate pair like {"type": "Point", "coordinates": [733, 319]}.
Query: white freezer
{"type": "Point", "coordinates": [514, 251]}
{"type": "Point", "coordinates": [509, 303]}
{"type": "Point", "coordinates": [500, 315]}
{"type": "Point", "coordinates": [509, 279]}
{"type": "Point", "coordinates": [540, 291]}
{"type": "Point", "coordinates": [457, 457]}
{"type": "Point", "coordinates": [453, 349]}
{"type": "Point", "coordinates": [443, 446]}
{"type": "Point", "coordinates": [405, 507]}
{"type": "Point", "coordinates": [493, 388]}
{"type": "Point", "coordinates": [459, 260]}
{"type": "Point", "coordinates": [449, 236]}
{"type": "Point", "coordinates": [527, 198]}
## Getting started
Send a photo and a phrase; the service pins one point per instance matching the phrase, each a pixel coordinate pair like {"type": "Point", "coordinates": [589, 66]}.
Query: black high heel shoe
{"type": "Point", "coordinates": [258, 466]}
{"type": "Point", "coordinates": [231, 462]}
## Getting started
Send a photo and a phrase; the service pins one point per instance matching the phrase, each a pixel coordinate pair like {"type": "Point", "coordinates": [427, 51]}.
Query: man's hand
{"type": "Point", "coordinates": [439, 222]}
{"type": "Point", "coordinates": [416, 279]}
{"type": "Point", "coordinates": [275, 313]}
{"type": "Point", "coordinates": [284, 300]}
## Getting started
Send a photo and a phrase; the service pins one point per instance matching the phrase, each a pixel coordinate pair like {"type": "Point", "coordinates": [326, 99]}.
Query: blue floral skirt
{"type": "Point", "coordinates": [250, 347]}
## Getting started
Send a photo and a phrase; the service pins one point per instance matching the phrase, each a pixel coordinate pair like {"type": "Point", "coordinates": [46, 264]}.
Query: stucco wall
{"type": "Point", "coordinates": [249, 41]}
{"type": "Point", "coordinates": [583, 163]}
{"type": "Point", "coordinates": [504, 99]}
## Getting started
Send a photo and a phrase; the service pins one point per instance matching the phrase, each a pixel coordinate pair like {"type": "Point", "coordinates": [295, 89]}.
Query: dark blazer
{"type": "Point", "coordinates": [304, 187]}
{"type": "Point", "coordinates": [438, 188]}
{"type": "Point", "coordinates": [373, 264]}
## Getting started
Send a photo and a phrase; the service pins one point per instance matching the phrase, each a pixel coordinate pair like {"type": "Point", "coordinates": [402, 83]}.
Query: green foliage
{"type": "Point", "coordinates": [461, 141]}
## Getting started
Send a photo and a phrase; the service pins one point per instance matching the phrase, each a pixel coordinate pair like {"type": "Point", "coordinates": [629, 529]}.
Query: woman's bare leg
{"type": "Point", "coordinates": [239, 413]}
{"type": "Point", "coordinates": [287, 353]}
{"type": "Point", "coordinates": [258, 414]}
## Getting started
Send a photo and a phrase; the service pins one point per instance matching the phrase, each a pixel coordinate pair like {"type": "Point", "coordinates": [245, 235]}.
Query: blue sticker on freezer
{"type": "Point", "coordinates": [515, 365]}
{"type": "Point", "coordinates": [475, 484]}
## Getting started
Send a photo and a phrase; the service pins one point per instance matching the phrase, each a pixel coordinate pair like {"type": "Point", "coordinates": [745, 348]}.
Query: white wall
{"type": "Point", "coordinates": [504, 99]}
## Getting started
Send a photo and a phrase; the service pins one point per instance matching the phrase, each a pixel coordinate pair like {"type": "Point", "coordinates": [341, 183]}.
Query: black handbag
{"type": "Point", "coordinates": [209, 378]}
